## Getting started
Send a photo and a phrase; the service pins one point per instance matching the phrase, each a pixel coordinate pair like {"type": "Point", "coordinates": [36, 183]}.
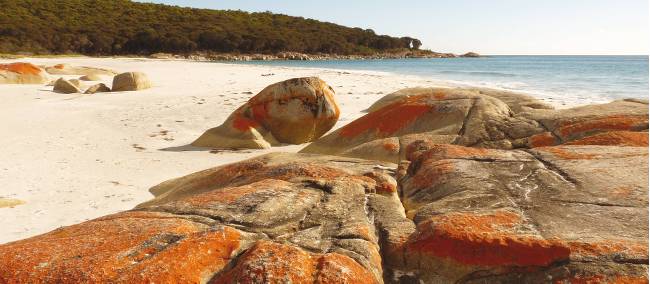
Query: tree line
{"type": "Point", "coordinates": [112, 27]}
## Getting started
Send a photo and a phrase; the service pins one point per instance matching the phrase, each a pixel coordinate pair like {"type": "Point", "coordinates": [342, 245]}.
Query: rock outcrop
{"type": "Point", "coordinates": [97, 88]}
{"type": "Point", "coordinates": [556, 214]}
{"type": "Point", "coordinates": [64, 86]}
{"type": "Point", "coordinates": [272, 219]}
{"type": "Point", "coordinates": [473, 117]}
{"type": "Point", "coordinates": [130, 81]}
{"type": "Point", "coordinates": [491, 187]}
{"type": "Point", "coordinates": [22, 73]}
{"type": "Point", "coordinates": [66, 69]}
{"type": "Point", "coordinates": [294, 111]}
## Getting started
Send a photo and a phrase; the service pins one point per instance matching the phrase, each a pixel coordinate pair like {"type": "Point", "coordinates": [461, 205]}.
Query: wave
{"type": "Point", "coordinates": [478, 73]}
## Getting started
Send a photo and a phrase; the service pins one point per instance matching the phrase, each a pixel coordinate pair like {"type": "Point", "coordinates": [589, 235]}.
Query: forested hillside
{"type": "Point", "coordinates": [103, 27]}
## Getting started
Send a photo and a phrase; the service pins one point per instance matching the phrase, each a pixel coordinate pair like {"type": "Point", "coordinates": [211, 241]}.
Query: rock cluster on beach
{"type": "Point", "coordinates": [433, 185]}
{"type": "Point", "coordinates": [294, 111]}
{"type": "Point", "coordinates": [27, 73]}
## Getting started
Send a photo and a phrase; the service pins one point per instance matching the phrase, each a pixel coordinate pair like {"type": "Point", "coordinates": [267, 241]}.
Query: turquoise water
{"type": "Point", "coordinates": [581, 78]}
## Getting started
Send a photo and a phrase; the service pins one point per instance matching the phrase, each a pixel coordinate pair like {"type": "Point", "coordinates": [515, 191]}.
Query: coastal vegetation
{"type": "Point", "coordinates": [114, 27]}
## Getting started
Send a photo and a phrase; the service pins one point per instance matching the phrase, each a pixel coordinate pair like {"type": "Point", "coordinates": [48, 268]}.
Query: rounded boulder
{"type": "Point", "coordinates": [294, 111]}
{"type": "Point", "coordinates": [130, 81]}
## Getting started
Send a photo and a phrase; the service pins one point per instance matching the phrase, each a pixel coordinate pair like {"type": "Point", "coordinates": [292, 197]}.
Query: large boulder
{"type": "Point", "coordinates": [553, 214]}
{"type": "Point", "coordinates": [64, 86]}
{"type": "Point", "coordinates": [66, 69]}
{"type": "Point", "coordinates": [294, 111]}
{"type": "Point", "coordinates": [273, 219]}
{"type": "Point", "coordinates": [473, 117]}
{"type": "Point", "coordinates": [130, 81]}
{"type": "Point", "coordinates": [22, 73]}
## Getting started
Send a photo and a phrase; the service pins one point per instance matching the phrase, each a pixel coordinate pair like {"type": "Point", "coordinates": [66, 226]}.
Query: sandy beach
{"type": "Point", "coordinates": [76, 157]}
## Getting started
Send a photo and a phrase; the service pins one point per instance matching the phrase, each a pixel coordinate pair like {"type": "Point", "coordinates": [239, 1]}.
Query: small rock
{"type": "Point", "coordinates": [9, 202]}
{"type": "Point", "coordinates": [98, 88]}
{"type": "Point", "coordinates": [64, 86]}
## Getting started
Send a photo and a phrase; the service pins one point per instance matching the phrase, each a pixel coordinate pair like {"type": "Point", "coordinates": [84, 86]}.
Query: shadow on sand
{"type": "Point", "coordinates": [190, 148]}
{"type": "Point", "coordinates": [186, 148]}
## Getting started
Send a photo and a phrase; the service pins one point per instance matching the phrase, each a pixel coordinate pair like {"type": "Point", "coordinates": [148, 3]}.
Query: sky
{"type": "Point", "coordinates": [491, 27]}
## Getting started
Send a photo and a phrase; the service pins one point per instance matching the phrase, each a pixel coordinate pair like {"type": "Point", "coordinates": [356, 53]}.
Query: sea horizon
{"type": "Point", "coordinates": [575, 79]}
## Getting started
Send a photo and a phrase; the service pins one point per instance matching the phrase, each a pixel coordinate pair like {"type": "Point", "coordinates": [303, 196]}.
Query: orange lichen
{"type": "Point", "coordinates": [269, 262]}
{"type": "Point", "coordinates": [597, 279]}
{"type": "Point", "coordinates": [622, 122]}
{"type": "Point", "coordinates": [565, 153]}
{"type": "Point", "coordinates": [622, 191]}
{"type": "Point", "coordinates": [609, 247]}
{"type": "Point", "coordinates": [383, 185]}
{"type": "Point", "coordinates": [232, 194]}
{"type": "Point", "coordinates": [629, 280]}
{"type": "Point", "coordinates": [128, 245]}
{"type": "Point", "coordinates": [391, 147]}
{"type": "Point", "coordinates": [195, 256]}
{"type": "Point", "coordinates": [579, 279]}
{"type": "Point", "coordinates": [21, 68]}
{"type": "Point", "coordinates": [439, 95]}
{"type": "Point", "coordinates": [389, 119]}
{"type": "Point", "coordinates": [448, 151]}
{"type": "Point", "coordinates": [259, 112]}
{"type": "Point", "coordinates": [487, 239]}
{"type": "Point", "coordinates": [430, 172]}
{"type": "Point", "coordinates": [615, 138]}
{"type": "Point", "coordinates": [542, 140]}
{"type": "Point", "coordinates": [337, 268]}
{"type": "Point", "coordinates": [244, 124]}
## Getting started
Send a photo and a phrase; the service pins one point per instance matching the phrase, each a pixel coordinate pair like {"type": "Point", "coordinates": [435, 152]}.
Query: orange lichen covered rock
{"type": "Point", "coordinates": [547, 214]}
{"type": "Point", "coordinates": [278, 218]}
{"type": "Point", "coordinates": [491, 239]}
{"type": "Point", "coordinates": [609, 123]}
{"type": "Point", "coordinates": [278, 166]}
{"type": "Point", "coordinates": [294, 111]}
{"type": "Point", "coordinates": [542, 140]}
{"type": "Point", "coordinates": [22, 73]}
{"type": "Point", "coordinates": [614, 138]}
{"type": "Point", "coordinates": [479, 118]}
{"type": "Point", "coordinates": [459, 116]}
{"type": "Point", "coordinates": [124, 247]}
{"type": "Point", "coordinates": [268, 262]}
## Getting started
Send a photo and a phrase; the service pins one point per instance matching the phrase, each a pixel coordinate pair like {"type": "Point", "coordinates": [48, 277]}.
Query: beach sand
{"type": "Point", "coordinates": [75, 157]}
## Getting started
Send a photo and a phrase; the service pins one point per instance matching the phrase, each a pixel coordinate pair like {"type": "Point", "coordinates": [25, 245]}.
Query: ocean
{"type": "Point", "coordinates": [577, 79]}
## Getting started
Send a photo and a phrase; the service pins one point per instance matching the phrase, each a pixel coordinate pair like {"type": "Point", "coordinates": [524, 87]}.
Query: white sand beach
{"type": "Point", "coordinates": [76, 157]}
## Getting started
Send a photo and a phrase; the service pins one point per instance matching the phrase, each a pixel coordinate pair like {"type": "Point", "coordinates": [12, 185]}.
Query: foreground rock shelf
{"type": "Point", "coordinates": [475, 186]}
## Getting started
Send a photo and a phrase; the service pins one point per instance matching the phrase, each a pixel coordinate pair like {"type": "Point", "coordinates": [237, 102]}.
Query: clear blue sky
{"type": "Point", "coordinates": [484, 26]}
